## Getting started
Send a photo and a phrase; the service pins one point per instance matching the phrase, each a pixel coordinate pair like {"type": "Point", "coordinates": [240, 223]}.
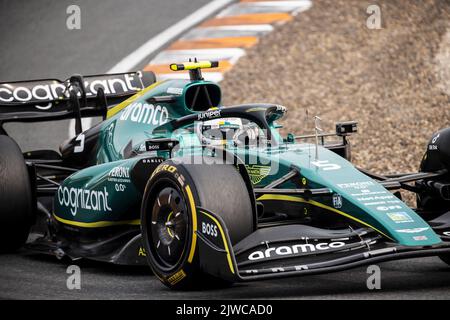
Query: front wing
{"type": "Point", "coordinates": [297, 250]}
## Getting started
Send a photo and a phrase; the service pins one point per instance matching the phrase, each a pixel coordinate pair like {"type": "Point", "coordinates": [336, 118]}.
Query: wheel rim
{"type": "Point", "coordinates": [169, 226]}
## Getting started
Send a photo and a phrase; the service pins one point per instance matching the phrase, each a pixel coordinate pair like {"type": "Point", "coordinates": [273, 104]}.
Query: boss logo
{"type": "Point", "coordinates": [209, 229]}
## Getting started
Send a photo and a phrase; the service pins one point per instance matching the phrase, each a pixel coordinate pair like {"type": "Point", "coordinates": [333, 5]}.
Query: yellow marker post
{"type": "Point", "coordinates": [194, 65]}
{"type": "Point", "coordinates": [194, 68]}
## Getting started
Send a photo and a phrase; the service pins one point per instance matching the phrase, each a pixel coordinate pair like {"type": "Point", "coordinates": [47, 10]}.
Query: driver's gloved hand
{"type": "Point", "coordinates": [246, 137]}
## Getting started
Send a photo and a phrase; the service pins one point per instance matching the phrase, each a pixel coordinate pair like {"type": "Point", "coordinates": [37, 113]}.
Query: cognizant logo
{"type": "Point", "coordinates": [290, 250]}
{"type": "Point", "coordinates": [75, 198]}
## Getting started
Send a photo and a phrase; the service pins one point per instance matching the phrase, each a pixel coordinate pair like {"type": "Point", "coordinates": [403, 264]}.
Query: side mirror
{"type": "Point", "coordinates": [346, 128]}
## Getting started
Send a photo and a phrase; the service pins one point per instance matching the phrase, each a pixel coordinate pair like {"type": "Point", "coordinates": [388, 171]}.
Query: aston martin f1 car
{"type": "Point", "coordinates": [205, 194]}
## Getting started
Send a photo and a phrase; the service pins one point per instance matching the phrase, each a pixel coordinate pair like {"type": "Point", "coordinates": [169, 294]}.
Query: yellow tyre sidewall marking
{"type": "Point", "coordinates": [168, 229]}
{"type": "Point", "coordinates": [194, 223]}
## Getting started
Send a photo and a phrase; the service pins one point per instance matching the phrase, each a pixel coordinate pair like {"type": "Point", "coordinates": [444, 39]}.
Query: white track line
{"type": "Point", "coordinates": [266, 6]}
{"type": "Point", "coordinates": [228, 31]}
{"type": "Point", "coordinates": [156, 43]}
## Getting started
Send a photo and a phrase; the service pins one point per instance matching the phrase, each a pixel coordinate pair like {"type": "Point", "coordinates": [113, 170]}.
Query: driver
{"type": "Point", "coordinates": [219, 132]}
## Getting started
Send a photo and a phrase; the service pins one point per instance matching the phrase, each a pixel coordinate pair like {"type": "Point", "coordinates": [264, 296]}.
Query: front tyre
{"type": "Point", "coordinates": [168, 213]}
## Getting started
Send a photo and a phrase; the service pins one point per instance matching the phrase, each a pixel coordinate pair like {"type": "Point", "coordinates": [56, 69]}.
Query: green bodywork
{"type": "Point", "coordinates": [105, 194]}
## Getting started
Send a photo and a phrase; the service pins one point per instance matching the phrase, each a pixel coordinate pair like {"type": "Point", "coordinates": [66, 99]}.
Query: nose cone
{"type": "Point", "coordinates": [361, 198]}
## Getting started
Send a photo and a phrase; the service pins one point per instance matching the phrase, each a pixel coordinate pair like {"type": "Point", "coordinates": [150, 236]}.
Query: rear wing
{"type": "Point", "coordinates": [76, 97]}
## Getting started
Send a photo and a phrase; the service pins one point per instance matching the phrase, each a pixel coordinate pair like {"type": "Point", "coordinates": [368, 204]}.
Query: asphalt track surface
{"type": "Point", "coordinates": [31, 276]}
{"type": "Point", "coordinates": [37, 44]}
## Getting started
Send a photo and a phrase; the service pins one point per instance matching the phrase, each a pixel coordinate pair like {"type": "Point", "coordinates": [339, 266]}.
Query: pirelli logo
{"type": "Point", "coordinates": [164, 167]}
{"type": "Point", "coordinates": [177, 277]}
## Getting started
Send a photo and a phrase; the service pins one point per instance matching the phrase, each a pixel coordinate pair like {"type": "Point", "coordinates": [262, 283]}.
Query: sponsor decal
{"type": "Point", "coordinates": [151, 147]}
{"type": "Point", "coordinates": [141, 252]}
{"type": "Point", "coordinates": [297, 248]}
{"type": "Point", "coordinates": [356, 185]}
{"type": "Point", "coordinates": [337, 201]}
{"type": "Point", "coordinates": [209, 229]}
{"type": "Point", "coordinates": [375, 198]}
{"type": "Point", "coordinates": [121, 176]}
{"type": "Point", "coordinates": [415, 230]}
{"type": "Point", "coordinates": [177, 91]}
{"type": "Point", "coordinates": [446, 233]}
{"type": "Point", "coordinates": [374, 203]}
{"type": "Point", "coordinates": [165, 167]}
{"type": "Point", "coordinates": [432, 145]}
{"type": "Point", "coordinates": [367, 192]}
{"type": "Point", "coordinates": [76, 198]}
{"type": "Point", "coordinates": [325, 165]}
{"type": "Point", "coordinates": [377, 203]}
{"type": "Point", "coordinates": [420, 238]}
{"type": "Point", "coordinates": [399, 217]}
{"type": "Point", "coordinates": [257, 173]}
{"type": "Point", "coordinates": [119, 172]}
{"type": "Point", "coordinates": [47, 90]}
{"type": "Point", "coordinates": [208, 115]}
{"type": "Point", "coordinates": [388, 208]}
{"type": "Point", "coordinates": [145, 113]}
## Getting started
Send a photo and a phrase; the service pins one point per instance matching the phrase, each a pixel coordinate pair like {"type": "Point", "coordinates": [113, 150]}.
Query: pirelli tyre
{"type": "Point", "coordinates": [16, 209]}
{"type": "Point", "coordinates": [171, 195]}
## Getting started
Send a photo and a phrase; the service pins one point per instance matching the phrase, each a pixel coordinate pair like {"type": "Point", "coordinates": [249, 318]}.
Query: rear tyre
{"type": "Point", "coordinates": [16, 207]}
{"type": "Point", "coordinates": [167, 218]}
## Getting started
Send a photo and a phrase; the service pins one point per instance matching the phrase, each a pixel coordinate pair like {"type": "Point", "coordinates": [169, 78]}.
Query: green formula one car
{"type": "Point", "coordinates": [205, 194]}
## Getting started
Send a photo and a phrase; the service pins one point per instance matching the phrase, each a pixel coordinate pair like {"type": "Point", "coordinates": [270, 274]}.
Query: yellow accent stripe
{"type": "Point", "coordinates": [111, 112]}
{"type": "Point", "coordinates": [98, 224]}
{"type": "Point", "coordinates": [168, 229]}
{"type": "Point", "coordinates": [225, 242]}
{"type": "Point", "coordinates": [194, 224]}
{"type": "Point", "coordinates": [317, 204]}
